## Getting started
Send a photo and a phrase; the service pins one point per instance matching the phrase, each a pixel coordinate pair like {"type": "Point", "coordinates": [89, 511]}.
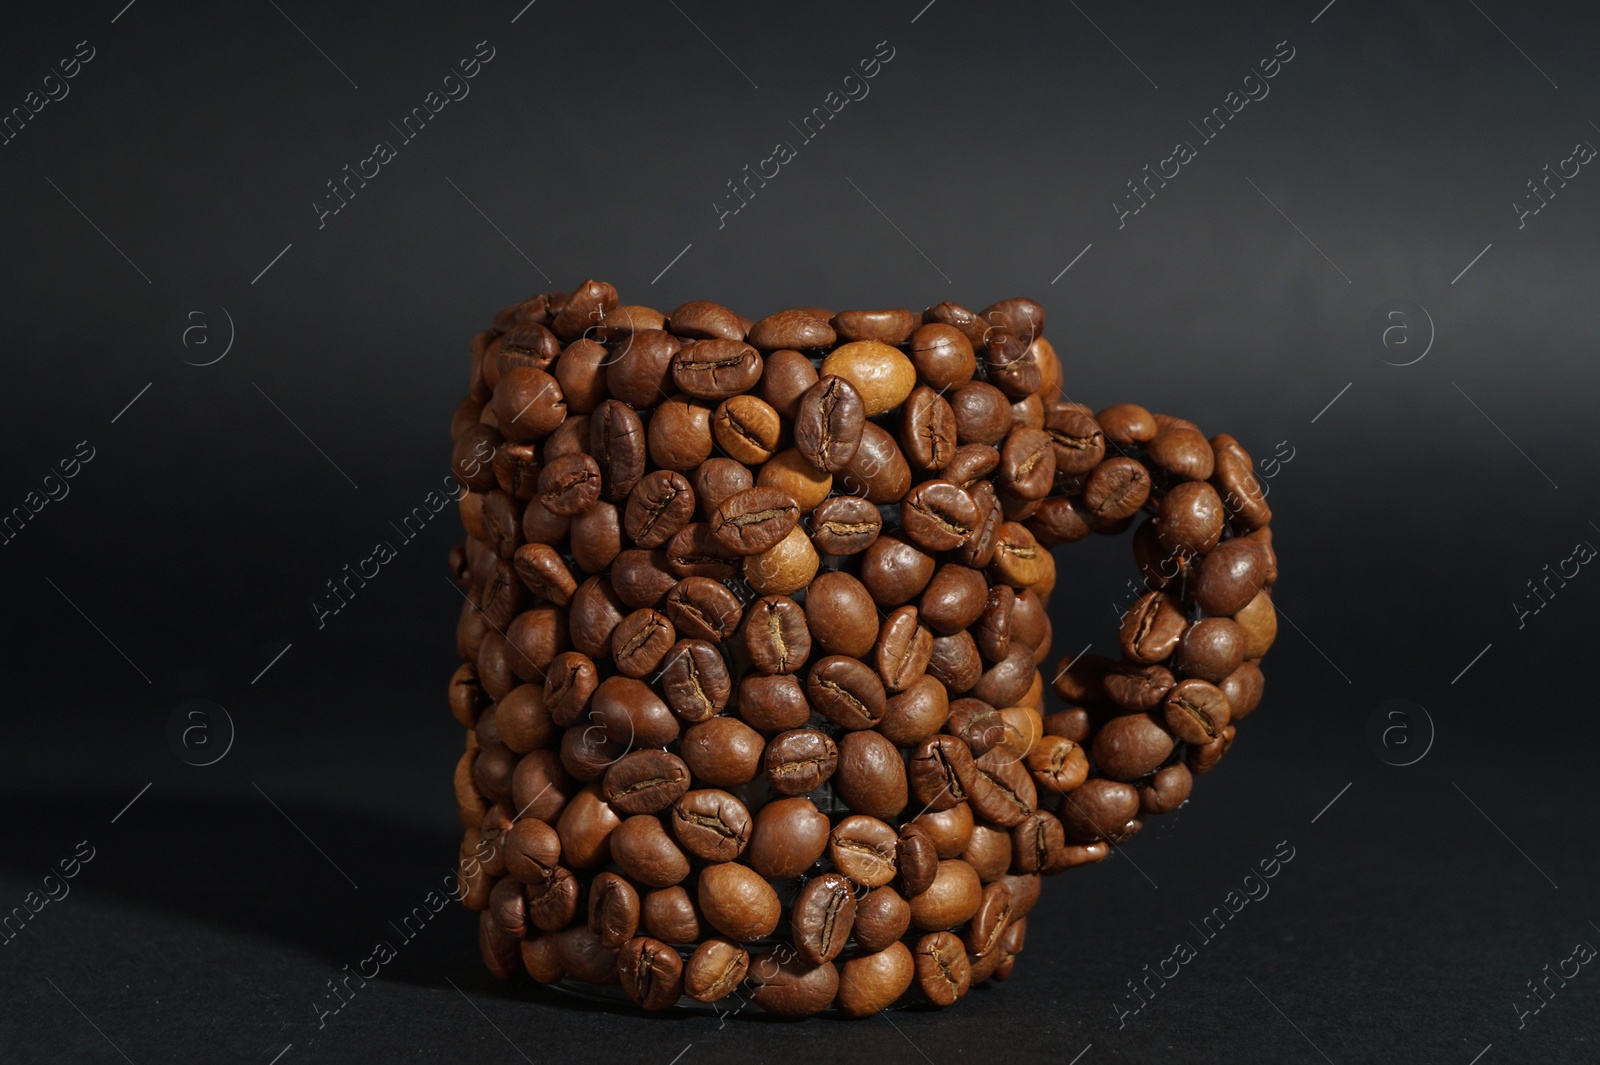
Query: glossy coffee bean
{"type": "Point", "coordinates": [703, 609]}
{"type": "Point", "coordinates": [1228, 577]}
{"type": "Point", "coordinates": [1197, 712]}
{"type": "Point", "coordinates": [799, 761]}
{"type": "Point", "coordinates": [596, 537]}
{"type": "Point", "coordinates": [784, 568]}
{"type": "Point", "coordinates": [1151, 628]}
{"type": "Point", "coordinates": [650, 972]}
{"type": "Point", "coordinates": [701, 319]}
{"type": "Point", "coordinates": [880, 373]}
{"type": "Point", "coordinates": [640, 373]}
{"type": "Point", "coordinates": [640, 641]}
{"type": "Point", "coordinates": [617, 443]}
{"type": "Point", "coordinates": [1130, 746]}
{"type": "Point", "coordinates": [528, 404]}
{"type": "Point", "coordinates": [792, 474]}
{"type": "Point", "coordinates": [1190, 518]}
{"type": "Point", "coordinates": [1166, 790]}
{"type": "Point", "coordinates": [824, 913]}
{"type": "Point", "coordinates": [942, 772]}
{"type": "Point", "coordinates": [943, 356]}
{"type": "Point", "coordinates": [787, 376]}
{"type": "Point", "coordinates": [954, 662]}
{"type": "Point", "coordinates": [938, 515]}
{"type": "Point", "coordinates": [943, 972]}
{"type": "Point", "coordinates": [902, 650]}
{"type": "Point", "coordinates": [715, 970]}
{"type": "Point", "coordinates": [886, 326]}
{"type": "Point", "coordinates": [747, 428]}
{"type": "Point", "coordinates": [951, 829]}
{"type": "Point", "coordinates": [954, 599]}
{"type": "Point", "coordinates": [642, 578]}
{"type": "Point", "coordinates": [871, 983]}
{"type": "Point", "coordinates": [1134, 687]}
{"type": "Point", "coordinates": [871, 774]}
{"type": "Point", "coordinates": [738, 902]}
{"type": "Point", "coordinates": [951, 900]}
{"type": "Point", "coordinates": [894, 571]}
{"type": "Point", "coordinates": [775, 634]}
{"type": "Point", "coordinates": [1204, 758]}
{"type": "Point", "coordinates": [645, 782]}
{"type": "Point", "coordinates": [1027, 463]}
{"type": "Point", "coordinates": [845, 525]}
{"type": "Point", "coordinates": [773, 701]}
{"type": "Point", "coordinates": [1002, 791]}
{"type": "Point", "coordinates": [845, 691]}
{"type": "Point", "coordinates": [631, 714]}
{"type": "Point", "coordinates": [1058, 764]}
{"type": "Point", "coordinates": [645, 852]}
{"type": "Point", "coordinates": [1098, 809]}
{"type": "Point", "coordinates": [792, 329]}
{"type": "Point", "coordinates": [585, 828]}
{"type": "Point", "coordinates": [613, 909]}
{"type": "Point", "coordinates": [694, 680]}
{"type": "Point", "coordinates": [1116, 489]}
{"type": "Point", "coordinates": [1258, 624]}
{"type": "Point", "coordinates": [723, 752]}
{"type": "Point", "coordinates": [717, 369]}
{"type": "Point", "coordinates": [542, 572]}
{"type": "Point", "coordinates": [1244, 688]}
{"type": "Point", "coordinates": [864, 848]}
{"type": "Point", "coordinates": [878, 471]}
{"type": "Point", "coordinates": [916, 859]}
{"type": "Point", "coordinates": [711, 824]}
{"type": "Point", "coordinates": [982, 412]}
{"type": "Point", "coordinates": [928, 429]}
{"type": "Point", "coordinates": [1211, 649]}
{"type": "Point", "coordinates": [828, 423]}
{"type": "Point", "coordinates": [977, 724]}
{"type": "Point", "coordinates": [753, 520]}
{"type": "Point", "coordinates": [570, 484]}
{"type": "Point", "coordinates": [669, 914]}
{"type": "Point", "coordinates": [911, 716]}
{"type": "Point", "coordinates": [692, 552]}
{"type": "Point", "coordinates": [660, 504]}
{"type": "Point", "coordinates": [882, 917]}
{"type": "Point", "coordinates": [788, 986]}
{"type": "Point", "coordinates": [788, 837]}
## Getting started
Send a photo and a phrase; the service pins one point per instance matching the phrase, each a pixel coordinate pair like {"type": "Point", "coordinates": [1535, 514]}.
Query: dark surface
{"type": "Point", "coordinates": [1416, 908]}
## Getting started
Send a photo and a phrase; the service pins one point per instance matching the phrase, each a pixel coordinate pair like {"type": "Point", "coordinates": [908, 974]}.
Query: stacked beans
{"type": "Point", "coordinates": [750, 649]}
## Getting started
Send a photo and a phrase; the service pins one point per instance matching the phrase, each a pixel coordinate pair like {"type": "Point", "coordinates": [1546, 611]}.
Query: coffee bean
{"type": "Point", "coordinates": [1130, 746]}
{"type": "Point", "coordinates": [792, 474]}
{"type": "Point", "coordinates": [951, 900]}
{"type": "Point", "coordinates": [551, 900]}
{"type": "Point", "coordinates": [593, 615]}
{"type": "Point", "coordinates": [871, 775]}
{"type": "Point", "coordinates": [872, 983]}
{"type": "Point", "coordinates": [711, 824]}
{"type": "Point", "coordinates": [544, 574]}
{"type": "Point", "coordinates": [617, 442]}
{"type": "Point", "coordinates": [642, 578]}
{"type": "Point", "coordinates": [824, 913]}
{"type": "Point", "coordinates": [584, 310]}
{"type": "Point", "coordinates": [773, 702]}
{"type": "Point", "coordinates": [785, 567]}
{"type": "Point", "coordinates": [788, 986]}
{"type": "Point", "coordinates": [882, 917]}
{"type": "Point", "coordinates": [1235, 481]}
{"type": "Point", "coordinates": [845, 525]}
{"type": "Point", "coordinates": [747, 428]}
{"type": "Point", "coordinates": [1018, 559]}
{"type": "Point", "coordinates": [641, 367]}
{"type": "Point", "coordinates": [716, 479]}
{"type": "Point", "coordinates": [1211, 649]}
{"type": "Point", "coordinates": [738, 902]}
{"type": "Point", "coordinates": [723, 752]}
{"type": "Point", "coordinates": [1244, 688]}
{"type": "Point", "coordinates": [828, 423]}
{"type": "Point", "coordinates": [913, 715]}
{"type": "Point", "coordinates": [1182, 452]}
{"type": "Point", "coordinates": [938, 515]}
{"type": "Point", "coordinates": [569, 485]}
{"type": "Point", "coordinates": [788, 376]}
{"type": "Point", "coordinates": [585, 828]}
{"type": "Point", "coordinates": [864, 849]}
{"type": "Point", "coordinates": [701, 319]}
{"type": "Point", "coordinates": [630, 713]}
{"type": "Point", "coordinates": [877, 471]}
{"type": "Point", "coordinates": [715, 970]}
{"type": "Point", "coordinates": [791, 329]}
{"type": "Point", "coordinates": [578, 951]}
{"type": "Point", "coordinates": [1027, 463]}
{"type": "Point", "coordinates": [977, 724]}
{"type": "Point", "coordinates": [943, 972]}
{"type": "Point", "coordinates": [943, 356]}
{"type": "Point", "coordinates": [528, 404]}
{"type": "Point", "coordinates": [916, 860]}
{"type": "Point", "coordinates": [1204, 758]}
{"type": "Point", "coordinates": [888, 326]}
{"type": "Point", "coordinates": [993, 631]}
{"type": "Point", "coordinates": [1190, 518]}
{"type": "Point", "coordinates": [928, 429]}
{"type": "Point", "coordinates": [1098, 809]}
{"type": "Point", "coordinates": [1258, 624]}
{"type": "Point", "coordinates": [596, 538]}
{"type": "Point", "coordinates": [716, 369]}
{"type": "Point", "coordinates": [954, 662]}
{"type": "Point", "coordinates": [951, 829]}
{"type": "Point", "coordinates": [1058, 764]}
{"type": "Point", "coordinates": [650, 972]}
{"type": "Point", "coordinates": [954, 599]}
{"type": "Point", "coordinates": [1166, 790]}
{"type": "Point", "coordinates": [659, 505]}
{"type": "Point", "coordinates": [979, 548]}
{"type": "Point", "coordinates": [903, 649]}
{"type": "Point", "coordinates": [846, 692]}
{"type": "Point", "coordinates": [970, 463]}
{"type": "Point", "coordinates": [1002, 791]}
{"type": "Point", "coordinates": [694, 680]}
{"type": "Point", "coordinates": [645, 782]}
{"type": "Point", "coordinates": [943, 773]}
{"type": "Point", "coordinates": [668, 914]}
{"type": "Point", "coordinates": [800, 760]}
{"type": "Point", "coordinates": [788, 838]}
{"type": "Point", "coordinates": [644, 851]}
{"type": "Point", "coordinates": [640, 641]}
{"type": "Point", "coordinates": [1151, 628]}
{"type": "Point", "coordinates": [1229, 576]}
{"type": "Point", "coordinates": [531, 849]}
{"type": "Point", "coordinates": [539, 786]}
{"type": "Point", "coordinates": [702, 609]}
{"type": "Point", "coordinates": [753, 520]}
{"type": "Point", "coordinates": [1116, 489]}
{"type": "Point", "coordinates": [679, 434]}
{"type": "Point", "coordinates": [1197, 711]}
{"type": "Point", "coordinates": [880, 373]}
{"type": "Point", "coordinates": [775, 634]}
{"type": "Point", "coordinates": [894, 571]}
{"type": "Point", "coordinates": [613, 909]}
{"type": "Point", "coordinates": [982, 413]}
{"type": "Point", "coordinates": [693, 552]}
{"type": "Point", "coordinates": [1138, 687]}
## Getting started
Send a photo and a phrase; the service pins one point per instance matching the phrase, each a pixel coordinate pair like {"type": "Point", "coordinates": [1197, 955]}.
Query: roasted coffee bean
{"type": "Point", "coordinates": [530, 849]}
{"type": "Point", "coordinates": [694, 680]}
{"type": "Point", "coordinates": [539, 786]}
{"type": "Point", "coordinates": [543, 573]}
{"type": "Point", "coordinates": [1229, 576]}
{"type": "Point", "coordinates": [502, 597]}
{"type": "Point", "coordinates": [1166, 790]}
{"type": "Point", "coordinates": [787, 377]}
{"type": "Point", "coordinates": [716, 369]}
{"type": "Point", "coordinates": [528, 404]}
{"type": "Point", "coordinates": [1258, 625]}
{"type": "Point", "coordinates": [784, 568]}
{"type": "Point", "coordinates": [938, 515]}
{"type": "Point", "coordinates": [970, 463]}
{"type": "Point", "coordinates": [882, 917]}
{"type": "Point", "coordinates": [913, 715]}
{"type": "Point", "coordinates": [894, 571]}
{"type": "Point", "coordinates": [886, 326]}
{"type": "Point", "coordinates": [1002, 791]}
{"type": "Point", "coordinates": [993, 631]}
{"type": "Point", "coordinates": [650, 972]}
{"type": "Point", "coordinates": [502, 523]}
{"type": "Point", "coordinates": [954, 662]}
{"type": "Point", "coordinates": [659, 505]}
{"type": "Point", "coordinates": [977, 724]}
{"type": "Point", "coordinates": [1151, 628]}
{"type": "Point", "coordinates": [626, 319]}
{"type": "Point", "coordinates": [668, 914]}
{"type": "Point", "coordinates": [521, 720]}
{"type": "Point", "coordinates": [800, 760]}
{"type": "Point", "coordinates": [641, 368]}
{"type": "Point", "coordinates": [1243, 687]}
{"type": "Point", "coordinates": [701, 320]}
{"type": "Point", "coordinates": [790, 473]}
{"type": "Point", "coordinates": [1098, 809]}
{"type": "Point", "coordinates": [877, 471]}
{"type": "Point", "coordinates": [747, 428]}
{"type": "Point", "coordinates": [1211, 649]}
{"type": "Point", "coordinates": [788, 838]}
{"type": "Point", "coordinates": [863, 848]}
{"type": "Point", "coordinates": [1190, 518]}
{"type": "Point", "coordinates": [1058, 765]}
{"type": "Point", "coordinates": [753, 520]}
{"type": "Point", "coordinates": [585, 828]}
{"type": "Point", "coordinates": [943, 356]}
{"type": "Point", "coordinates": [828, 424]}
{"type": "Point", "coordinates": [533, 640]}
{"type": "Point", "coordinates": [703, 609]}
{"type": "Point", "coordinates": [645, 782]}
{"type": "Point", "coordinates": [1018, 559]}
{"type": "Point", "coordinates": [738, 902]}
{"type": "Point", "coordinates": [1130, 746]}
{"type": "Point", "coordinates": [581, 373]}
{"type": "Point", "coordinates": [1182, 452]}
{"type": "Point", "coordinates": [982, 412]}
{"type": "Point", "coordinates": [613, 909]}
{"type": "Point", "coordinates": [723, 752]}
{"type": "Point", "coordinates": [632, 714]}
{"type": "Point", "coordinates": [640, 641]}
{"type": "Point", "coordinates": [903, 649]}
{"type": "Point", "coordinates": [928, 430]}
{"type": "Point", "coordinates": [586, 753]}
{"type": "Point", "coordinates": [1235, 481]}
{"type": "Point", "coordinates": [951, 900]}
{"type": "Point", "coordinates": [642, 578]}
{"type": "Point", "coordinates": [775, 634]}
{"type": "Point", "coordinates": [679, 434]}
{"type": "Point", "coordinates": [846, 692]}
{"type": "Point", "coordinates": [1127, 424]}
{"type": "Point", "coordinates": [773, 701]}
{"type": "Point", "coordinates": [979, 549]}
{"type": "Point", "coordinates": [943, 772]}
{"type": "Point", "coordinates": [596, 538]}
{"type": "Point", "coordinates": [824, 913]}
{"type": "Point", "coordinates": [715, 970]}
{"type": "Point", "coordinates": [578, 951]}
{"type": "Point", "coordinates": [1197, 712]}
{"type": "Point", "coordinates": [967, 322]}
{"type": "Point", "coordinates": [716, 479]}
{"type": "Point", "coordinates": [570, 484]}
{"type": "Point", "coordinates": [1204, 758]}
{"type": "Point", "coordinates": [617, 442]}
{"type": "Point", "coordinates": [1077, 440]}
{"type": "Point", "coordinates": [880, 373]}
{"type": "Point", "coordinates": [916, 859]}
{"type": "Point", "coordinates": [1116, 489]}
{"type": "Point", "coordinates": [845, 525]}
{"type": "Point", "coordinates": [871, 983]}
{"type": "Point", "coordinates": [467, 697]}
{"type": "Point", "coordinates": [584, 310]}
{"type": "Point", "coordinates": [1027, 463]}
{"type": "Point", "coordinates": [943, 972]}
{"type": "Point", "coordinates": [693, 552]}
{"type": "Point", "coordinates": [871, 774]}
{"type": "Point", "coordinates": [982, 935]}
{"type": "Point", "coordinates": [566, 440]}
{"type": "Point", "coordinates": [788, 986]}
{"type": "Point", "coordinates": [1138, 687]}
{"type": "Point", "coordinates": [540, 526]}
{"type": "Point", "coordinates": [840, 615]}
{"type": "Point", "coordinates": [644, 851]}
{"type": "Point", "coordinates": [791, 329]}
{"type": "Point", "coordinates": [954, 599]}
{"type": "Point", "coordinates": [951, 829]}
{"type": "Point", "coordinates": [711, 824]}
{"type": "Point", "coordinates": [551, 899]}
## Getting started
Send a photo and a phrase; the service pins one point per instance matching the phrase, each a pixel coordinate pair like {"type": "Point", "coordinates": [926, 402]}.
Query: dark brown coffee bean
{"type": "Point", "coordinates": [1235, 481]}
{"type": "Point", "coordinates": [1076, 438]}
{"type": "Point", "coordinates": [938, 515]}
{"type": "Point", "coordinates": [1002, 791]}
{"type": "Point", "coordinates": [787, 377]}
{"type": "Point", "coordinates": [650, 972]}
{"type": "Point", "coordinates": [715, 970]}
{"type": "Point", "coordinates": [993, 631]}
{"type": "Point", "coordinates": [679, 434]}
{"type": "Point", "coordinates": [1204, 758]}
{"type": "Point", "coordinates": [753, 520]}
{"type": "Point", "coordinates": [471, 457]}
{"type": "Point", "coordinates": [596, 538]}
{"type": "Point", "coordinates": [977, 724]}
{"type": "Point", "coordinates": [1229, 576]}
{"type": "Point", "coordinates": [1197, 711]}
{"type": "Point", "coordinates": [1138, 687]}
{"type": "Point", "coordinates": [1127, 424]}
{"type": "Point", "coordinates": [632, 714]}
{"type": "Point", "coordinates": [502, 597]}
{"type": "Point", "coordinates": [979, 549]}
{"type": "Point", "coordinates": [1166, 790]}
{"type": "Point", "coordinates": [694, 680]}
{"type": "Point", "coordinates": [658, 506]}
{"type": "Point", "coordinates": [645, 782]}
{"type": "Point", "coordinates": [1018, 559]}
{"type": "Point", "coordinates": [502, 523]}
{"type": "Point", "coordinates": [703, 609]}
{"type": "Point", "coordinates": [871, 983]}
{"type": "Point", "coordinates": [533, 640]}
{"type": "Point", "coordinates": [882, 917]}
{"type": "Point", "coordinates": [886, 326]}
{"type": "Point", "coordinates": [1151, 628]}
{"type": "Point", "coordinates": [943, 772]}
{"type": "Point", "coordinates": [516, 469]}
{"type": "Point", "coordinates": [542, 571]}
{"type": "Point", "coordinates": [1027, 463]}
{"type": "Point", "coordinates": [642, 578]}
{"type": "Point", "coordinates": [1058, 764]}
{"type": "Point", "coordinates": [983, 414]}
{"type": "Point", "coordinates": [911, 716]}
{"type": "Point", "coordinates": [716, 479]}
{"type": "Point", "coordinates": [693, 552]}
{"type": "Point", "coordinates": [1182, 452]}
{"type": "Point", "coordinates": [927, 429]}
{"type": "Point", "coordinates": [1244, 688]}
{"type": "Point", "coordinates": [716, 369]}
{"type": "Point", "coordinates": [617, 442]}
{"type": "Point", "coordinates": [840, 614]}
{"type": "Point", "coordinates": [530, 849]}
{"type": "Point", "coordinates": [1258, 625]}
{"type": "Point", "coordinates": [640, 641]}
{"type": "Point", "coordinates": [702, 320]}
{"type": "Point", "coordinates": [1130, 746]}
{"type": "Point", "coordinates": [641, 368]}
{"type": "Point", "coordinates": [954, 662]}
{"type": "Point", "coordinates": [738, 902]}
{"type": "Point", "coordinates": [954, 599]}
{"type": "Point", "coordinates": [943, 972]}
{"type": "Point", "coordinates": [723, 752]}
{"type": "Point", "coordinates": [788, 986]}
{"type": "Point", "coordinates": [845, 691]}
{"type": "Point", "coordinates": [971, 463]}
{"type": "Point", "coordinates": [669, 914]}
{"type": "Point", "coordinates": [747, 428]}
{"type": "Point", "coordinates": [584, 310]}
{"type": "Point", "coordinates": [569, 485]}
{"type": "Point", "coordinates": [613, 909]}
{"type": "Point", "coordinates": [973, 327]}
{"type": "Point", "coordinates": [943, 356]}
{"type": "Point", "coordinates": [877, 471]}
{"type": "Point", "coordinates": [903, 649]}
{"type": "Point", "coordinates": [644, 851]}
{"type": "Point", "coordinates": [845, 525]}
{"type": "Point", "coordinates": [566, 440]}
{"type": "Point", "coordinates": [528, 405]}
{"type": "Point", "coordinates": [775, 634]}
{"type": "Point", "coordinates": [1190, 518]}
{"type": "Point", "coordinates": [792, 329]}
{"type": "Point", "coordinates": [788, 838]}
{"type": "Point", "coordinates": [578, 952]}
{"type": "Point", "coordinates": [871, 776]}
{"type": "Point", "coordinates": [1098, 809]}
{"type": "Point", "coordinates": [551, 900]}
{"type": "Point", "coordinates": [895, 571]}
{"type": "Point", "coordinates": [982, 935]}
{"type": "Point", "coordinates": [824, 913]}
{"type": "Point", "coordinates": [593, 615]}
{"type": "Point", "coordinates": [539, 786]}
{"type": "Point", "coordinates": [951, 900]}
{"type": "Point", "coordinates": [951, 829]}
{"type": "Point", "coordinates": [828, 424]}
{"type": "Point", "coordinates": [711, 824]}
{"type": "Point", "coordinates": [800, 760]}
{"type": "Point", "coordinates": [1116, 489]}
{"type": "Point", "coordinates": [863, 848]}
{"type": "Point", "coordinates": [539, 526]}
{"type": "Point", "coordinates": [773, 702]}
{"type": "Point", "coordinates": [1211, 649]}
{"type": "Point", "coordinates": [526, 344]}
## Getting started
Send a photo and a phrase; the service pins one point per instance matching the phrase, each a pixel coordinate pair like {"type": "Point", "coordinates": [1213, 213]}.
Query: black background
{"type": "Point", "coordinates": [997, 139]}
